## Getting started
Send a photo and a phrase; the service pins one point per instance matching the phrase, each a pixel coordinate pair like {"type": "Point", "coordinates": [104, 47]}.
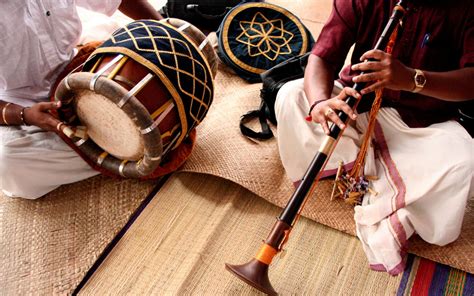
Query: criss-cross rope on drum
{"type": "Point", "coordinates": [140, 94]}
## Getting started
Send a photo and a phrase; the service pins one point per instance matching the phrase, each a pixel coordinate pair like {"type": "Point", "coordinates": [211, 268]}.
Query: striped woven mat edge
{"type": "Point", "coordinates": [426, 277]}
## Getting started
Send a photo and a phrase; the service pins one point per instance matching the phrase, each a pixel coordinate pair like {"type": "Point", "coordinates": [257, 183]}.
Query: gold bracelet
{"type": "Point", "coordinates": [4, 113]}
{"type": "Point", "coordinates": [22, 116]}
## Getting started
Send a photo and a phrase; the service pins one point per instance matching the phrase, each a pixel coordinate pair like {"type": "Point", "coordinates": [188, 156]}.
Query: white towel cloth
{"type": "Point", "coordinates": [34, 162]}
{"type": "Point", "coordinates": [425, 175]}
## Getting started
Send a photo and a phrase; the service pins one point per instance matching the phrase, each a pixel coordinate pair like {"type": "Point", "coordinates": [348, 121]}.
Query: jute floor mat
{"type": "Point", "coordinates": [48, 245]}
{"type": "Point", "coordinates": [196, 223]}
{"type": "Point", "coordinates": [222, 151]}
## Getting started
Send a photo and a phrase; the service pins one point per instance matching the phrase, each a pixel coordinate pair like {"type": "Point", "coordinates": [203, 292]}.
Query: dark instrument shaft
{"type": "Point", "coordinates": [255, 272]}
{"type": "Point", "coordinates": [318, 163]}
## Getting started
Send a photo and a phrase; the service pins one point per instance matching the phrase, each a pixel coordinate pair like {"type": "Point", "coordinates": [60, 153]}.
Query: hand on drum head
{"type": "Point", "coordinates": [40, 115]}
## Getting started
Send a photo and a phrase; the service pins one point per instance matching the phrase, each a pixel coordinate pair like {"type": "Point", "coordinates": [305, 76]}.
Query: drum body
{"type": "Point", "coordinates": [139, 95]}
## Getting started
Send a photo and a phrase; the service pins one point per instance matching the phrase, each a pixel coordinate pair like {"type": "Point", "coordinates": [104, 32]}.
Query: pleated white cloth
{"type": "Point", "coordinates": [34, 162]}
{"type": "Point", "coordinates": [425, 175]}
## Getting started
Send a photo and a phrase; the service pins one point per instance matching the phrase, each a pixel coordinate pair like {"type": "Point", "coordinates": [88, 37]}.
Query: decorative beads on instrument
{"type": "Point", "coordinates": [351, 188]}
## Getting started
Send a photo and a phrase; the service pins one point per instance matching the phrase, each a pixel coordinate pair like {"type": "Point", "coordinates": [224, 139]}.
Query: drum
{"type": "Point", "coordinates": [139, 95]}
{"type": "Point", "coordinates": [198, 38]}
{"type": "Point", "coordinates": [254, 37]}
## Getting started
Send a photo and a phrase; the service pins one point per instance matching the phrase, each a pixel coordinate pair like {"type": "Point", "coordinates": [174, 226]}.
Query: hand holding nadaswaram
{"type": "Point", "coordinates": [255, 272]}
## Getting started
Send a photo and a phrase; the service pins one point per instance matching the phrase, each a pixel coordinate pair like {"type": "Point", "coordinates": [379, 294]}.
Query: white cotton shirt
{"type": "Point", "coordinates": [38, 39]}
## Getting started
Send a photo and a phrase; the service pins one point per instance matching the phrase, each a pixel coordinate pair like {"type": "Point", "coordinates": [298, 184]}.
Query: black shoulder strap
{"type": "Point", "coordinates": [266, 132]}
{"type": "Point", "coordinates": [273, 79]}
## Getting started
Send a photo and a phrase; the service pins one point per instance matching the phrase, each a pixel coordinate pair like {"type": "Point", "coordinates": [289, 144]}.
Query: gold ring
{"type": "Point", "coordinates": [328, 112]}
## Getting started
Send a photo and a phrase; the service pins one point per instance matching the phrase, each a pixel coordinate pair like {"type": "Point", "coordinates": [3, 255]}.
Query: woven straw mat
{"type": "Point", "coordinates": [47, 245]}
{"type": "Point", "coordinates": [178, 246]}
{"type": "Point", "coordinates": [223, 151]}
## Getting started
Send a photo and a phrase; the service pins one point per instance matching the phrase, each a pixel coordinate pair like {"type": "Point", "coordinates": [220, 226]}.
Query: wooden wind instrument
{"type": "Point", "coordinates": [255, 272]}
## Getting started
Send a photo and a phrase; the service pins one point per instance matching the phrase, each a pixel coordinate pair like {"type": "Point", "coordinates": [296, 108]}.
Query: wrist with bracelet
{"type": "Point", "coordinates": [4, 114]}
{"type": "Point", "coordinates": [315, 103]}
{"type": "Point", "coordinates": [22, 116]}
{"type": "Point", "coordinates": [10, 111]}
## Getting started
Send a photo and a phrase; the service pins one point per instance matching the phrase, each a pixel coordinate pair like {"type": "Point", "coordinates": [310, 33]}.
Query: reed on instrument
{"type": "Point", "coordinates": [255, 272]}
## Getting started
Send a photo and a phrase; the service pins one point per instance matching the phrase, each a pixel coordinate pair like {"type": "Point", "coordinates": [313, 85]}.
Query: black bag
{"type": "Point", "coordinates": [273, 79]}
{"type": "Point", "coordinates": [204, 14]}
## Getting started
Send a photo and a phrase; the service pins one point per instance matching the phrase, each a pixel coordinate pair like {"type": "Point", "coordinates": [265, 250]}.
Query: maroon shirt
{"type": "Point", "coordinates": [435, 36]}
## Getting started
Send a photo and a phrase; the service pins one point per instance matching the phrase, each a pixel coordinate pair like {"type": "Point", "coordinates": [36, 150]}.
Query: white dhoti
{"type": "Point", "coordinates": [34, 162]}
{"type": "Point", "coordinates": [425, 175]}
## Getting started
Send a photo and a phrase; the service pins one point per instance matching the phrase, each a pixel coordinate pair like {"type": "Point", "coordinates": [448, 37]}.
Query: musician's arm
{"type": "Point", "coordinates": [318, 79]}
{"type": "Point", "coordinates": [318, 85]}
{"type": "Point", "coordinates": [328, 55]}
{"type": "Point", "coordinates": [139, 9]}
{"type": "Point", "coordinates": [38, 115]}
{"type": "Point", "coordinates": [10, 114]}
{"type": "Point", "coordinates": [455, 85]}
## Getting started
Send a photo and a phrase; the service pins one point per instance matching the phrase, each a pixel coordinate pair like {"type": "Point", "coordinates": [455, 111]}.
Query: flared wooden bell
{"type": "Point", "coordinates": [254, 273]}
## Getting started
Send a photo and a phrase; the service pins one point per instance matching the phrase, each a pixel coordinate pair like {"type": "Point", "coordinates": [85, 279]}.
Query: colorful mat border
{"type": "Point", "coordinates": [426, 277]}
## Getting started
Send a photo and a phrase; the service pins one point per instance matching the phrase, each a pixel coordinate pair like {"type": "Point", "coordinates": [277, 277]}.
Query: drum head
{"type": "Point", "coordinates": [119, 139]}
{"type": "Point", "coordinates": [109, 126]}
